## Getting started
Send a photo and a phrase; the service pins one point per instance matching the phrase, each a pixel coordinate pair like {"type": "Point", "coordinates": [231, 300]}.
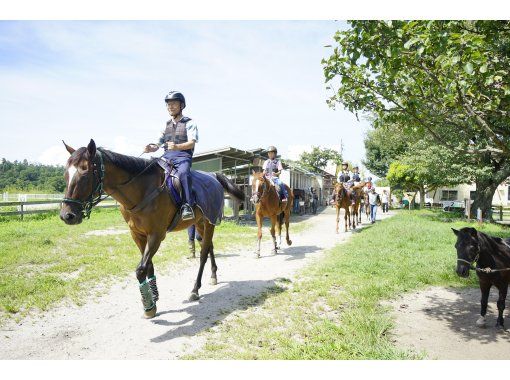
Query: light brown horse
{"type": "Point", "coordinates": [343, 200]}
{"type": "Point", "coordinates": [267, 204]}
{"type": "Point", "coordinates": [137, 184]}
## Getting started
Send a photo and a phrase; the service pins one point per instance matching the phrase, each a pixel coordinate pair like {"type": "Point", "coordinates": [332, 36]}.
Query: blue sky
{"type": "Point", "coordinates": [248, 84]}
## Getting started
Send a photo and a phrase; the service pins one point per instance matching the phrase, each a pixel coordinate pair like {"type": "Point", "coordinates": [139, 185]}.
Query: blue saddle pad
{"type": "Point", "coordinates": [208, 194]}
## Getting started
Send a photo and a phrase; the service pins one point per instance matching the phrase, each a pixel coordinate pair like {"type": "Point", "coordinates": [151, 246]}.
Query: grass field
{"type": "Point", "coordinates": [43, 260]}
{"type": "Point", "coordinates": [333, 310]}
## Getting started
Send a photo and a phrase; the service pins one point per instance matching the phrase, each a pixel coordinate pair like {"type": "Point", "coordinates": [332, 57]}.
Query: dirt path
{"type": "Point", "coordinates": [440, 322]}
{"type": "Point", "coordinates": [111, 327]}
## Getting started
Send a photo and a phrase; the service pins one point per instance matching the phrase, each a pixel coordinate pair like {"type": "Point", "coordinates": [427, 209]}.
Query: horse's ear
{"type": "Point", "coordinates": [91, 148]}
{"type": "Point", "coordinates": [474, 232]}
{"type": "Point", "coordinates": [253, 172]}
{"type": "Point", "coordinates": [69, 149]}
{"type": "Point", "coordinates": [456, 232]}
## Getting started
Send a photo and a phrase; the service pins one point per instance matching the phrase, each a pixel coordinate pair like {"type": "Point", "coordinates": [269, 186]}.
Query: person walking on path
{"type": "Point", "coordinates": [374, 200]}
{"type": "Point", "coordinates": [384, 201]}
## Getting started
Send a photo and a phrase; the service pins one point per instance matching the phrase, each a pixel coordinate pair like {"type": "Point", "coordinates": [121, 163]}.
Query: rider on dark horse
{"type": "Point", "coordinates": [272, 169]}
{"type": "Point", "coordinates": [178, 139]}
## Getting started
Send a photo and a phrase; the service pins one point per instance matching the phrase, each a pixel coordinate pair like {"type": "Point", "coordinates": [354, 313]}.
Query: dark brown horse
{"type": "Point", "coordinates": [492, 258]}
{"type": "Point", "coordinates": [366, 204]}
{"type": "Point", "coordinates": [267, 204]}
{"type": "Point", "coordinates": [137, 184]}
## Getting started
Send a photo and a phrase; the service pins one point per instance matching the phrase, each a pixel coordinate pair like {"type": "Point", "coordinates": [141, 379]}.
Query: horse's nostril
{"type": "Point", "coordinates": [69, 216]}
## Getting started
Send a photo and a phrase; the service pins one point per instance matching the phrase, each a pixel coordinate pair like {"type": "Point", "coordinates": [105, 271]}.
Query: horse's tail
{"type": "Point", "coordinates": [230, 187]}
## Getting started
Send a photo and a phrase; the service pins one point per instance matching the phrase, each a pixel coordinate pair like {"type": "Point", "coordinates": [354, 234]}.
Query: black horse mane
{"type": "Point", "coordinates": [130, 164]}
{"type": "Point", "coordinates": [133, 165]}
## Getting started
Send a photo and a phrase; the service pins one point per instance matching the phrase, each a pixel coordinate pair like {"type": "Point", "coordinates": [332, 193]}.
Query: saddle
{"type": "Point", "coordinates": [171, 181]}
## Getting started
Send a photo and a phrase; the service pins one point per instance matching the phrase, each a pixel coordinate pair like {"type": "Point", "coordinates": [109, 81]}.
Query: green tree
{"type": "Point", "coordinates": [425, 167]}
{"type": "Point", "coordinates": [446, 79]}
{"type": "Point", "coordinates": [382, 146]}
{"type": "Point", "coordinates": [319, 157]}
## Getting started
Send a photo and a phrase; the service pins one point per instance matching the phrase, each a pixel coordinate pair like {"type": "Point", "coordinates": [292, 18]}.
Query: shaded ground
{"type": "Point", "coordinates": [440, 322]}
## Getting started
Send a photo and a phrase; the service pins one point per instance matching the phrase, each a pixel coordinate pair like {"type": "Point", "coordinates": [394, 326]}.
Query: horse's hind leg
{"type": "Point", "coordinates": [214, 268]}
{"type": "Point", "coordinates": [204, 252]}
{"type": "Point", "coordinates": [501, 305]}
{"type": "Point", "coordinates": [485, 287]}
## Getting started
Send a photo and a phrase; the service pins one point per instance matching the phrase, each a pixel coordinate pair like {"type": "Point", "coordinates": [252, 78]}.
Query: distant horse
{"type": "Point", "coordinates": [267, 204]}
{"type": "Point", "coordinates": [366, 204]}
{"type": "Point", "coordinates": [492, 258]}
{"type": "Point", "coordinates": [138, 185]}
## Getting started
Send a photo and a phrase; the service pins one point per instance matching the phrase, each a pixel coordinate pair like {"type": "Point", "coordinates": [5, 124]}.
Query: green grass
{"type": "Point", "coordinates": [334, 310]}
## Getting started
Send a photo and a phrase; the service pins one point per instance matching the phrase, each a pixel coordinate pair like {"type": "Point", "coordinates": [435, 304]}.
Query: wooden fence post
{"type": "Point", "coordinates": [21, 209]}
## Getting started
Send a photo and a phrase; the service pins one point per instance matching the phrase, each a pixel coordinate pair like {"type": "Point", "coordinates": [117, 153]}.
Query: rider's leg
{"type": "Point", "coordinates": [183, 165]}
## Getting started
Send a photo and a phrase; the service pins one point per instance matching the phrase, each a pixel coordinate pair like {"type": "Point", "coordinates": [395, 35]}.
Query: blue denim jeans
{"type": "Point", "coordinates": [373, 212]}
{"type": "Point", "coordinates": [278, 182]}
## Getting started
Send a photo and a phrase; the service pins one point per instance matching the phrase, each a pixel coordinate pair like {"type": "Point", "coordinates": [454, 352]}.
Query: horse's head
{"type": "Point", "coordinates": [259, 185]}
{"type": "Point", "coordinates": [340, 192]}
{"type": "Point", "coordinates": [84, 181]}
{"type": "Point", "coordinates": [468, 249]}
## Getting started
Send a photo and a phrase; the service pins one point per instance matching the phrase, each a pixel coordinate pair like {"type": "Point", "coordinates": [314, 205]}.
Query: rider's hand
{"type": "Point", "coordinates": [150, 148]}
{"type": "Point", "coordinates": [171, 146]}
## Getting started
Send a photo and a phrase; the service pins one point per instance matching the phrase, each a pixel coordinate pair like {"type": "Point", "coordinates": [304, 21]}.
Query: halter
{"type": "Point", "coordinates": [483, 270]}
{"type": "Point", "coordinates": [96, 195]}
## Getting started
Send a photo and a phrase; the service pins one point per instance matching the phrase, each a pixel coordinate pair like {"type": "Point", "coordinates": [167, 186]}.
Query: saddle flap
{"type": "Point", "coordinates": [171, 180]}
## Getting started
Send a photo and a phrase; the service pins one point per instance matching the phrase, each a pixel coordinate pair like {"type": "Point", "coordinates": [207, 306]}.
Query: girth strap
{"type": "Point", "coordinates": [147, 199]}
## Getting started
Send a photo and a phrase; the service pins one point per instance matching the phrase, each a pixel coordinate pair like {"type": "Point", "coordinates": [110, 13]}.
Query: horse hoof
{"type": "Point", "coordinates": [150, 313]}
{"type": "Point", "coordinates": [213, 281]}
{"type": "Point", "coordinates": [481, 322]}
{"type": "Point", "coordinates": [193, 297]}
{"type": "Point", "coordinates": [274, 252]}
{"type": "Point", "coordinates": [256, 255]}
{"type": "Point", "coordinates": [289, 242]}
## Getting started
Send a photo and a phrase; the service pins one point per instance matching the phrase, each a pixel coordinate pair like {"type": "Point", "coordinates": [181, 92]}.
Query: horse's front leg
{"type": "Point", "coordinates": [259, 234]}
{"type": "Point", "coordinates": [274, 222]}
{"type": "Point", "coordinates": [337, 217]}
{"type": "Point", "coordinates": [142, 271]}
{"type": "Point", "coordinates": [503, 288]}
{"type": "Point", "coordinates": [287, 237]}
{"type": "Point", "coordinates": [204, 252]}
{"type": "Point", "coordinates": [485, 288]}
{"type": "Point", "coordinates": [345, 218]}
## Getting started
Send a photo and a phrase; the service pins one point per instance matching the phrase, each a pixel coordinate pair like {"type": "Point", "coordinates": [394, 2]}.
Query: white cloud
{"type": "Point", "coordinates": [54, 155]}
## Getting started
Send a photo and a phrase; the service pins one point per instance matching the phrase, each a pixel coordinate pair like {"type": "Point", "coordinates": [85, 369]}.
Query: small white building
{"type": "Point", "coordinates": [466, 191]}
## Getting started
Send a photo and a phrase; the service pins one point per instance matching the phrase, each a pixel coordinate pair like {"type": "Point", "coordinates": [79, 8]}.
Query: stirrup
{"type": "Point", "coordinates": [187, 215]}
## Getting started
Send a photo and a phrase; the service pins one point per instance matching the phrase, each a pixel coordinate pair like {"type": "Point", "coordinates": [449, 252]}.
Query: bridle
{"type": "Point", "coordinates": [477, 268]}
{"type": "Point", "coordinates": [96, 195]}
{"type": "Point", "coordinates": [258, 194]}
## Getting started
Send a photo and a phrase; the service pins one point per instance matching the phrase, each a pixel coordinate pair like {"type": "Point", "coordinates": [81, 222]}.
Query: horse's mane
{"type": "Point", "coordinates": [133, 165]}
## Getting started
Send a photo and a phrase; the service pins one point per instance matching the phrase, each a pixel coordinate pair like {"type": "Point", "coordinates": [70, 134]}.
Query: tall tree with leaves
{"type": "Point", "coordinates": [319, 157]}
{"type": "Point", "coordinates": [448, 79]}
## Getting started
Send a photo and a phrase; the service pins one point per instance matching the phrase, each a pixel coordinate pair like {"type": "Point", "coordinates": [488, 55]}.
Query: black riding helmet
{"type": "Point", "coordinates": [176, 95]}
{"type": "Point", "coordinates": [272, 149]}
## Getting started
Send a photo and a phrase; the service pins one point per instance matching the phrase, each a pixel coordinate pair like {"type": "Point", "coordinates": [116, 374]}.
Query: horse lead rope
{"type": "Point", "coordinates": [486, 270]}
